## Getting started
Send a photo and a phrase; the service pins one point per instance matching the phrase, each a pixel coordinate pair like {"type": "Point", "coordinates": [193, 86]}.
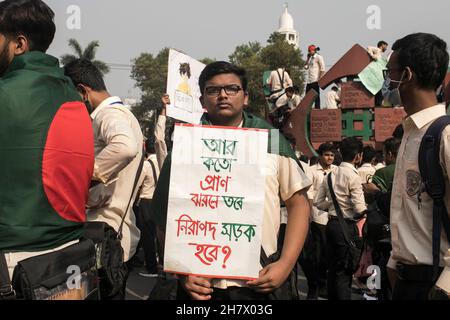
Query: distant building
{"type": "Point", "coordinates": [287, 28]}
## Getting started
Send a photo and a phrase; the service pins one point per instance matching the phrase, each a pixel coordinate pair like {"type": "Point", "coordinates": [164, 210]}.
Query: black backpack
{"type": "Point", "coordinates": [433, 179]}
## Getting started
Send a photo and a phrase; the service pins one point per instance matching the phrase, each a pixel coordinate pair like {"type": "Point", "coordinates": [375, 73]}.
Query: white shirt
{"type": "Point", "coordinates": [332, 99]}
{"type": "Point", "coordinates": [315, 65]}
{"type": "Point", "coordinates": [308, 172]}
{"type": "Point", "coordinates": [366, 172]}
{"type": "Point", "coordinates": [375, 52]}
{"type": "Point", "coordinates": [348, 189]}
{"type": "Point", "coordinates": [379, 166]}
{"type": "Point", "coordinates": [160, 140]}
{"type": "Point", "coordinates": [411, 225]}
{"type": "Point", "coordinates": [275, 82]}
{"type": "Point", "coordinates": [318, 175]}
{"type": "Point", "coordinates": [147, 180]}
{"type": "Point", "coordinates": [118, 152]}
{"type": "Point", "coordinates": [293, 102]}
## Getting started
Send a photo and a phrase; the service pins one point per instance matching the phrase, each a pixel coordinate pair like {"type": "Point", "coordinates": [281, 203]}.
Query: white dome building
{"type": "Point", "coordinates": [287, 28]}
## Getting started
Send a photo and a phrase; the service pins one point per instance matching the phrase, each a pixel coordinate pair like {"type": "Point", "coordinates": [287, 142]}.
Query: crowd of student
{"type": "Point", "coordinates": [74, 165]}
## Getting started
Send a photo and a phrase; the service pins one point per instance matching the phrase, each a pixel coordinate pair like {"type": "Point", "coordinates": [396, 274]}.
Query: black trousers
{"type": "Point", "coordinates": [380, 256]}
{"type": "Point", "coordinates": [339, 280]}
{"type": "Point", "coordinates": [414, 283]}
{"type": "Point", "coordinates": [307, 263]}
{"type": "Point", "coordinates": [412, 290]}
{"type": "Point", "coordinates": [315, 86]}
{"type": "Point", "coordinates": [319, 236]}
{"type": "Point", "coordinates": [148, 234]}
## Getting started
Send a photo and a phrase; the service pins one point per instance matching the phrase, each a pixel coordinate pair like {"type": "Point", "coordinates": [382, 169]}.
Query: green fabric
{"type": "Point", "coordinates": [384, 177]}
{"type": "Point", "coordinates": [161, 194]}
{"type": "Point", "coordinates": [31, 92]}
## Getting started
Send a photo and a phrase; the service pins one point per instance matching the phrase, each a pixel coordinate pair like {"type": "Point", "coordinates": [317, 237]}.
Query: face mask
{"type": "Point", "coordinates": [392, 96]}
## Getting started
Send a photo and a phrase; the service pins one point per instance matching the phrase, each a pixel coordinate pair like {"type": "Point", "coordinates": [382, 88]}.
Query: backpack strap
{"type": "Point", "coordinates": [281, 78]}
{"type": "Point", "coordinates": [6, 290]}
{"type": "Point", "coordinates": [155, 176]}
{"type": "Point", "coordinates": [136, 179]}
{"type": "Point", "coordinates": [433, 179]}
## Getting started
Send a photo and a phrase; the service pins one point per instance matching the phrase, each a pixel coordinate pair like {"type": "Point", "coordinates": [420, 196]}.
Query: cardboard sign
{"type": "Point", "coordinates": [216, 202]}
{"type": "Point", "coordinates": [183, 89]}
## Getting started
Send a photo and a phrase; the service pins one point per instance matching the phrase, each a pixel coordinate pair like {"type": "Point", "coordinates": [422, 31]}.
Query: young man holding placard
{"type": "Point", "coordinates": [224, 96]}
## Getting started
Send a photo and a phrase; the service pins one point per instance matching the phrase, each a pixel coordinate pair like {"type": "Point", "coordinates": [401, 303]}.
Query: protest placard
{"type": "Point", "coordinates": [216, 202]}
{"type": "Point", "coordinates": [183, 89]}
{"type": "Point", "coordinates": [372, 76]}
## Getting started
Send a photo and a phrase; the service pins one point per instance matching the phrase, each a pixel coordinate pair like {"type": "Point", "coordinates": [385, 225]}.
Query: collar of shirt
{"type": "Point", "coordinates": [422, 118]}
{"type": "Point", "coordinates": [105, 103]}
{"type": "Point", "coordinates": [321, 169]}
{"type": "Point", "coordinates": [366, 165]}
{"type": "Point", "coordinates": [349, 165]}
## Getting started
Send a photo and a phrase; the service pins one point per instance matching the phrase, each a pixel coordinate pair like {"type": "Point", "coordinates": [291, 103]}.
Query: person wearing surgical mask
{"type": "Point", "coordinates": [416, 69]}
{"type": "Point", "coordinates": [391, 88]}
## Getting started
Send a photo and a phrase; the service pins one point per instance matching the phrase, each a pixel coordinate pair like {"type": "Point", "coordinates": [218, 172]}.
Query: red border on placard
{"type": "Point", "coordinates": [210, 276]}
{"type": "Point", "coordinates": [218, 127]}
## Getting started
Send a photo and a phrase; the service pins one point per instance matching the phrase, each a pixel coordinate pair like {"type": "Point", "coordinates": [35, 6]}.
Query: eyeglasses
{"type": "Point", "coordinates": [231, 90]}
{"type": "Point", "coordinates": [387, 71]}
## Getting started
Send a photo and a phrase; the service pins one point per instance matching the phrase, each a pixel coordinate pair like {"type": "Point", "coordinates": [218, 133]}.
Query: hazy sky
{"type": "Point", "coordinates": [213, 28]}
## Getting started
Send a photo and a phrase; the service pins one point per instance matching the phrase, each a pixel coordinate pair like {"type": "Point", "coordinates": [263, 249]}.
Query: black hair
{"type": "Point", "coordinates": [337, 159]}
{"type": "Point", "coordinates": [150, 145]}
{"type": "Point", "coordinates": [30, 18]}
{"type": "Point", "coordinates": [426, 55]}
{"type": "Point", "coordinates": [313, 161]}
{"type": "Point", "coordinates": [349, 148]}
{"type": "Point", "coordinates": [398, 132]}
{"type": "Point", "coordinates": [369, 153]}
{"type": "Point", "coordinates": [185, 68]}
{"type": "Point", "coordinates": [392, 145]}
{"type": "Point", "coordinates": [290, 89]}
{"type": "Point", "coordinates": [221, 67]}
{"type": "Point", "coordinates": [382, 43]}
{"type": "Point", "coordinates": [326, 147]}
{"type": "Point", "coordinates": [84, 72]}
{"type": "Point", "coordinates": [379, 157]}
